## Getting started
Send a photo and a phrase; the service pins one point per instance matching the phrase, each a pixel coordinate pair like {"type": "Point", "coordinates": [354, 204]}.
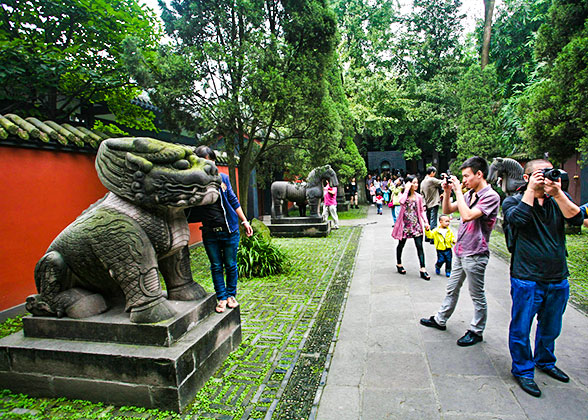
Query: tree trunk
{"type": "Point", "coordinates": [244, 177]}
{"type": "Point", "coordinates": [488, 11]}
{"type": "Point", "coordinates": [232, 161]}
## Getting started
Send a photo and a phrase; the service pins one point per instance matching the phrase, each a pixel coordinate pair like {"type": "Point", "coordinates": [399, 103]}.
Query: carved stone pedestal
{"type": "Point", "coordinates": [341, 207]}
{"type": "Point", "coordinates": [291, 227]}
{"type": "Point", "coordinates": [107, 358]}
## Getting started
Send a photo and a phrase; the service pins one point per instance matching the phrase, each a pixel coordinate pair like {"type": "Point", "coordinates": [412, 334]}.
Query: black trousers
{"type": "Point", "coordinates": [418, 242]}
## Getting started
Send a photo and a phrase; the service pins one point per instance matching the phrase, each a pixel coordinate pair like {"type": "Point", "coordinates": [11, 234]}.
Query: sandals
{"type": "Point", "coordinates": [401, 269]}
{"type": "Point", "coordinates": [425, 275]}
{"type": "Point", "coordinates": [232, 302]}
{"type": "Point", "coordinates": [221, 306]}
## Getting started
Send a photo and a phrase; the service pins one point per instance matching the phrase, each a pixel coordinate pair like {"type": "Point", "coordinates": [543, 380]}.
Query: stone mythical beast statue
{"type": "Point", "coordinates": [300, 193]}
{"type": "Point", "coordinates": [119, 245]}
{"type": "Point", "coordinates": [509, 171]}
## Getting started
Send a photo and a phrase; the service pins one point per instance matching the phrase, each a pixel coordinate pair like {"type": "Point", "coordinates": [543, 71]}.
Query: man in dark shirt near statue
{"type": "Point", "coordinates": [534, 228]}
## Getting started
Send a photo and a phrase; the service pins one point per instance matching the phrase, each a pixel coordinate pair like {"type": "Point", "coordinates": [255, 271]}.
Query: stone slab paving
{"type": "Point", "coordinates": [387, 366]}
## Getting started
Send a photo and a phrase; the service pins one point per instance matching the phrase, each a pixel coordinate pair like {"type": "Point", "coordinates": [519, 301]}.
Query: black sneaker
{"type": "Point", "coordinates": [469, 339]}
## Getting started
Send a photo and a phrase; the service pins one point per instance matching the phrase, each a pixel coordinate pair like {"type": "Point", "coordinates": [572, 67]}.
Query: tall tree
{"type": "Point", "coordinates": [366, 30]}
{"type": "Point", "coordinates": [432, 37]}
{"type": "Point", "coordinates": [488, 12]}
{"type": "Point", "coordinates": [513, 41]}
{"type": "Point", "coordinates": [254, 74]}
{"type": "Point", "coordinates": [402, 91]}
{"type": "Point", "coordinates": [478, 121]}
{"type": "Point", "coordinates": [553, 109]}
{"type": "Point", "coordinates": [59, 57]}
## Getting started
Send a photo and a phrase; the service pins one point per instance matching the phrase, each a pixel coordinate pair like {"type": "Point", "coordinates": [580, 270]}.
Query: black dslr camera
{"type": "Point", "coordinates": [554, 174]}
{"type": "Point", "coordinates": [446, 177]}
{"type": "Point", "coordinates": [551, 173]}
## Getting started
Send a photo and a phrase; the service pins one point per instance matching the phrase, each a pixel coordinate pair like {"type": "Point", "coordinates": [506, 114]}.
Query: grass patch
{"type": "Point", "coordinates": [360, 213]}
{"type": "Point", "coordinates": [578, 266]}
{"type": "Point", "coordinates": [10, 326]}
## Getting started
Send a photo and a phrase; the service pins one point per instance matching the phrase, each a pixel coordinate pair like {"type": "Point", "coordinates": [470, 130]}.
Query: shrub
{"type": "Point", "coordinates": [257, 256]}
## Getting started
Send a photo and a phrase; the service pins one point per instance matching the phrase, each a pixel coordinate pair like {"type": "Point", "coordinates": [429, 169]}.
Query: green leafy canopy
{"type": "Point", "coordinates": [59, 57]}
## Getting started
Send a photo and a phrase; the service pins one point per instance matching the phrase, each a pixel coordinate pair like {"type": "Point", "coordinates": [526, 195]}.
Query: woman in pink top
{"type": "Point", "coordinates": [330, 203]}
{"type": "Point", "coordinates": [410, 223]}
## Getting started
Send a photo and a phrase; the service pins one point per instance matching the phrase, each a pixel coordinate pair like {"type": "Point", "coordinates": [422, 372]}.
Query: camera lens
{"type": "Point", "coordinates": [552, 174]}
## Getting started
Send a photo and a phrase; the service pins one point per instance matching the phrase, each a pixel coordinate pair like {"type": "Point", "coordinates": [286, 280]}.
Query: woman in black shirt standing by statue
{"type": "Point", "coordinates": [220, 235]}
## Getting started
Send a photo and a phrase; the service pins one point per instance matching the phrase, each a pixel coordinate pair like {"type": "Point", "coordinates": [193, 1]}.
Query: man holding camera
{"type": "Point", "coordinates": [478, 209]}
{"type": "Point", "coordinates": [535, 235]}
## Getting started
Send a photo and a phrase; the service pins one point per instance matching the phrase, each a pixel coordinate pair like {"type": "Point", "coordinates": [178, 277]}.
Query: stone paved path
{"type": "Point", "coordinates": [387, 366]}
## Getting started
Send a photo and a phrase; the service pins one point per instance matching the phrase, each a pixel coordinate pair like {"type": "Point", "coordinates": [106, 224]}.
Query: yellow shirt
{"type": "Point", "coordinates": [441, 242]}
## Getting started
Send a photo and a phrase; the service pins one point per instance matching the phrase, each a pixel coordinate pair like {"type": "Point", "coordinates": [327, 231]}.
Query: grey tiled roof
{"type": "Point", "coordinates": [31, 132]}
{"type": "Point", "coordinates": [17, 129]}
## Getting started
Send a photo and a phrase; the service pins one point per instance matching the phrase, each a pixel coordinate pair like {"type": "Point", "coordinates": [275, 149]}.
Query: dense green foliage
{"type": "Point", "coordinates": [11, 325]}
{"type": "Point", "coordinates": [59, 58]}
{"type": "Point", "coordinates": [512, 47]}
{"type": "Point", "coordinates": [427, 96]}
{"type": "Point", "coordinates": [402, 91]}
{"type": "Point", "coordinates": [478, 121]}
{"type": "Point", "coordinates": [553, 109]}
{"type": "Point", "coordinates": [241, 70]}
{"type": "Point", "coordinates": [312, 81]}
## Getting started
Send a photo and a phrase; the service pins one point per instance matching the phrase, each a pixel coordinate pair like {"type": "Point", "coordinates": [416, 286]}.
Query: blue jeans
{"type": "Point", "coordinates": [547, 301]}
{"type": "Point", "coordinates": [444, 257]}
{"type": "Point", "coordinates": [221, 248]}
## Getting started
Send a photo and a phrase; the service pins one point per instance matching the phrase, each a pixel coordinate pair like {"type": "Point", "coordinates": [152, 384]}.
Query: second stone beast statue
{"type": "Point", "coordinates": [118, 246]}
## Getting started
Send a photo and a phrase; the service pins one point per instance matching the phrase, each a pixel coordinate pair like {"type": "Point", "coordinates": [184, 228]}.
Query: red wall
{"type": "Point", "coordinates": [41, 193]}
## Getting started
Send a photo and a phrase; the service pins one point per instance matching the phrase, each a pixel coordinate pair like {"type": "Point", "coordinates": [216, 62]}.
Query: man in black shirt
{"type": "Point", "coordinates": [534, 228]}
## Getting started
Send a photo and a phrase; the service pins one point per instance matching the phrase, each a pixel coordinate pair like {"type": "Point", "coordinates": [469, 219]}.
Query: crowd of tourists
{"type": "Point", "coordinates": [534, 231]}
{"type": "Point", "coordinates": [533, 224]}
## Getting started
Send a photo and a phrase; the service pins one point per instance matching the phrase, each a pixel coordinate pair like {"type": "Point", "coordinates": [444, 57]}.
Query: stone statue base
{"type": "Point", "coordinates": [107, 358]}
{"type": "Point", "coordinates": [343, 206]}
{"type": "Point", "coordinates": [291, 227]}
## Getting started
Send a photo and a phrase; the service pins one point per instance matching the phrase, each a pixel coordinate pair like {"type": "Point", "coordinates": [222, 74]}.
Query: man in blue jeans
{"type": "Point", "coordinates": [535, 235]}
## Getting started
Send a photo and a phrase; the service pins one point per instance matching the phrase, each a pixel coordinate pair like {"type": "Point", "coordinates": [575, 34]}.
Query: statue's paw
{"type": "Point", "coordinates": [189, 291]}
{"type": "Point", "coordinates": [156, 311]}
{"type": "Point", "coordinates": [36, 306]}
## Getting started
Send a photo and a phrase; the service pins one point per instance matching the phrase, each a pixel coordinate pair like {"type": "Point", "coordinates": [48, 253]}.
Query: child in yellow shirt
{"type": "Point", "coordinates": [443, 239]}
